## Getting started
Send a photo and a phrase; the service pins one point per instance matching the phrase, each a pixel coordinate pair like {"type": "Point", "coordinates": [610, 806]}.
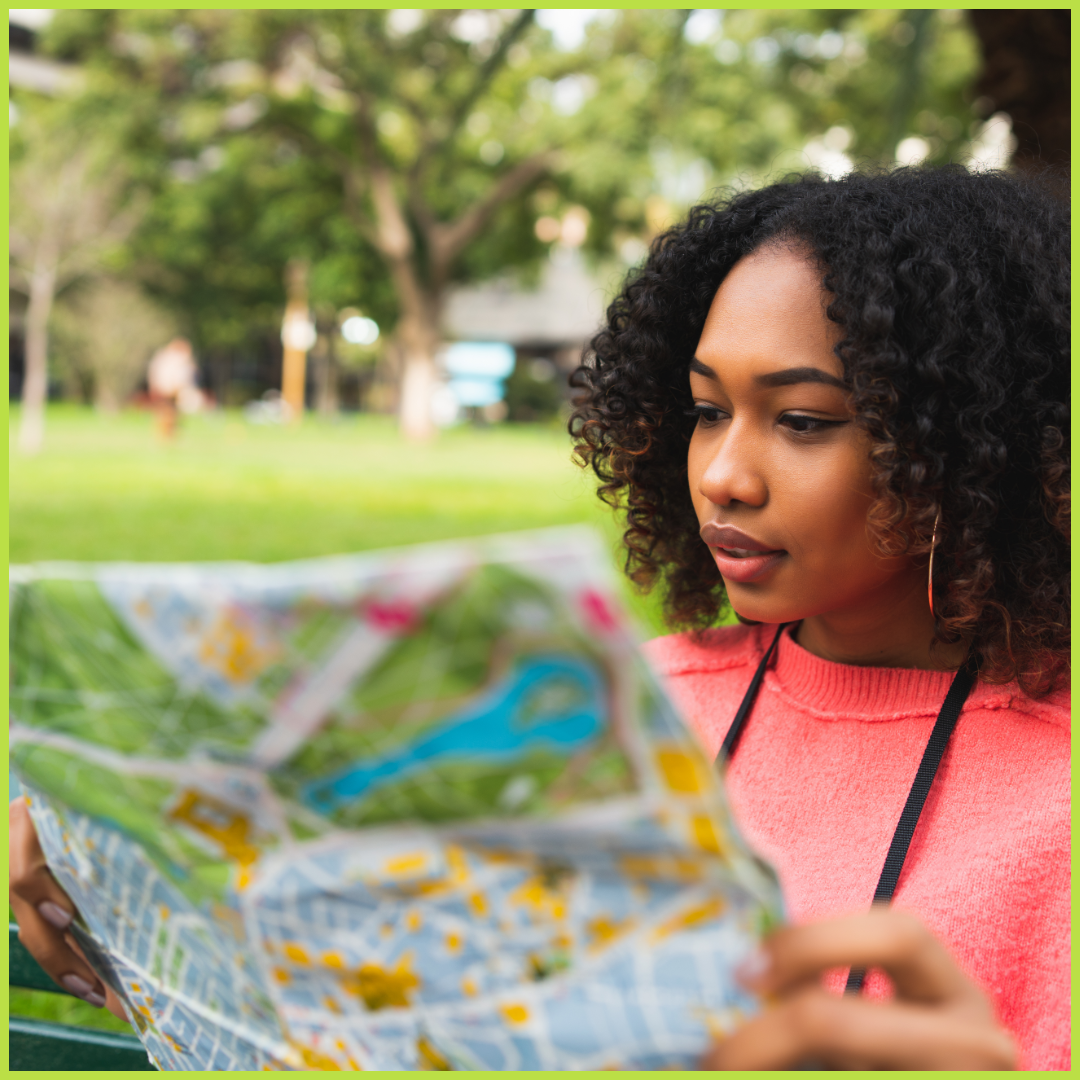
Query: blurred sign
{"type": "Point", "coordinates": [477, 392]}
{"type": "Point", "coordinates": [298, 331]}
{"type": "Point", "coordinates": [477, 370]}
{"type": "Point", "coordinates": [479, 359]}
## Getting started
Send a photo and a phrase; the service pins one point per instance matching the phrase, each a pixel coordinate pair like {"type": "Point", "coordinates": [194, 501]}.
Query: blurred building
{"type": "Point", "coordinates": [26, 69]}
{"type": "Point", "coordinates": [552, 322]}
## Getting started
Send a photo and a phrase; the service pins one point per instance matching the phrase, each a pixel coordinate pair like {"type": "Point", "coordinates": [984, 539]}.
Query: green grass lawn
{"type": "Point", "coordinates": [62, 1009]}
{"type": "Point", "coordinates": [105, 488]}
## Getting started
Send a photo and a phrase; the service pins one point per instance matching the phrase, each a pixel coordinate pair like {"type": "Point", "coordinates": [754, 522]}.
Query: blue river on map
{"type": "Point", "coordinates": [493, 728]}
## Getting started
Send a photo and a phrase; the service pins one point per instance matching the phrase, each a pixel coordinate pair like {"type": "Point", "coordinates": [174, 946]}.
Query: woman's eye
{"type": "Point", "coordinates": [806, 425]}
{"type": "Point", "coordinates": [706, 414]}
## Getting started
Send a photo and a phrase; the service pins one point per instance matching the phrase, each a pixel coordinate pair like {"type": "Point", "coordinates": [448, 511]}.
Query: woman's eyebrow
{"type": "Point", "coordinates": [786, 377]}
{"type": "Point", "coordinates": [791, 376]}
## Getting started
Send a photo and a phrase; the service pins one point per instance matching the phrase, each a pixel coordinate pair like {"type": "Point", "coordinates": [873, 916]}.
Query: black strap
{"type": "Point", "coordinates": [727, 748]}
{"type": "Point", "coordinates": [959, 689]}
{"type": "Point", "coordinates": [961, 686]}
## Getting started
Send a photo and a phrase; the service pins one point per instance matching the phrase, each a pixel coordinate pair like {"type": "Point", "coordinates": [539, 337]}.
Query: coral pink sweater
{"type": "Point", "coordinates": [820, 776]}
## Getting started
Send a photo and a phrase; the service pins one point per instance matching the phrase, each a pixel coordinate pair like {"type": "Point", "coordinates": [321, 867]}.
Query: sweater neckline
{"type": "Point", "coordinates": [850, 691]}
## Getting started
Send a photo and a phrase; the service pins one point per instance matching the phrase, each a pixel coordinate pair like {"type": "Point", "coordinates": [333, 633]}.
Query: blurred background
{"type": "Point", "coordinates": [286, 283]}
{"type": "Point", "coordinates": [291, 283]}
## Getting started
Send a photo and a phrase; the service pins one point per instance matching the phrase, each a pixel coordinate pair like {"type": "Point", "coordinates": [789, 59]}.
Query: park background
{"type": "Point", "coordinates": [442, 202]}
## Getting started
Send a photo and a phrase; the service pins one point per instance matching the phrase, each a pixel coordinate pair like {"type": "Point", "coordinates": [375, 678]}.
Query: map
{"type": "Point", "coordinates": [418, 809]}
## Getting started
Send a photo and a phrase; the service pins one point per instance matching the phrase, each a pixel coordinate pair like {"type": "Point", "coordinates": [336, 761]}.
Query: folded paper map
{"type": "Point", "coordinates": [417, 809]}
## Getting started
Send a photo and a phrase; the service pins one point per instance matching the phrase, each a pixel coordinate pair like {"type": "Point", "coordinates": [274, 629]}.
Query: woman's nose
{"type": "Point", "coordinates": [734, 470]}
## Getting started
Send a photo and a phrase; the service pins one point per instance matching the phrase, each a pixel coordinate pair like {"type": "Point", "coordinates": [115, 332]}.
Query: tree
{"type": "Point", "coordinates": [355, 62]}
{"type": "Point", "coordinates": [69, 211]}
{"type": "Point", "coordinates": [393, 143]}
{"type": "Point", "coordinates": [109, 329]}
{"type": "Point", "coordinates": [1026, 73]}
{"type": "Point", "coordinates": [432, 142]}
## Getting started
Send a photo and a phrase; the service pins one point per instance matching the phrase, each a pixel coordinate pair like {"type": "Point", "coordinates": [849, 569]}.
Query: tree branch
{"type": "Point", "coordinates": [391, 234]}
{"type": "Point", "coordinates": [483, 79]}
{"type": "Point", "coordinates": [491, 66]}
{"type": "Point", "coordinates": [449, 240]}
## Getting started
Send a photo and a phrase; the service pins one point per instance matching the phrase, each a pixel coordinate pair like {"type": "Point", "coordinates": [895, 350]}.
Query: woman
{"type": "Point", "coordinates": [857, 377]}
{"type": "Point", "coordinates": [873, 369]}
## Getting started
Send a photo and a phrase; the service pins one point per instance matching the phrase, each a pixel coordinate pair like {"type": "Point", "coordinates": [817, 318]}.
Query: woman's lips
{"type": "Point", "coordinates": [739, 557]}
{"type": "Point", "coordinates": [743, 569]}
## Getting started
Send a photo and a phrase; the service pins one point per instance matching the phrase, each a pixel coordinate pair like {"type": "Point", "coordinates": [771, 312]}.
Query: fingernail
{"type": "Point", "coordinates": [54, 914]}
{"type": "Point", "coordinates": [77, 985]}
{"type": "Point", "coordinates": [81, 988]}
{"type": "Point", "coordinates": [754, 968]}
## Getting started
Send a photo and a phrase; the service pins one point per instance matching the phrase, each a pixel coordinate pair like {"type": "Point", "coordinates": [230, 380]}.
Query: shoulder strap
{"type": "Point", "coordinates": [727, 748]}
{"type": "Point", "coordinates": [959, 689]}
{"type": "Point", "coordinates": [961, 686]}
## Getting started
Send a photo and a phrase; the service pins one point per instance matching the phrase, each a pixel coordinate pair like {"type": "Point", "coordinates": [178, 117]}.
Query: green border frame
{"type": "Point", "coordinates": [654, 5]}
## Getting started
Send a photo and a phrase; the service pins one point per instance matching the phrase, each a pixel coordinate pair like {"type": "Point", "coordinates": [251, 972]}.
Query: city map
{"type": "Point", "coordinates": [417, 809]}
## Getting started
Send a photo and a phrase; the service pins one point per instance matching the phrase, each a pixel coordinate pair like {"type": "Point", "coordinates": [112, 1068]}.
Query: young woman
{"type": "Point", "coordinates": [852, 376]}
{"type": "Point", "coordinates": [840, 407]}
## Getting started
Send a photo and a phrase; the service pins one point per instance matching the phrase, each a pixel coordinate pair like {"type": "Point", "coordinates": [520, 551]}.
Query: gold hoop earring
{"type": "Point", "coordinates": [930, 572]}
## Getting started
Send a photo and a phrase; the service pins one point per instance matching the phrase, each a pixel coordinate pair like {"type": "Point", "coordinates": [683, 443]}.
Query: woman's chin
{"type": "Point", "coordinates": [758, 609]}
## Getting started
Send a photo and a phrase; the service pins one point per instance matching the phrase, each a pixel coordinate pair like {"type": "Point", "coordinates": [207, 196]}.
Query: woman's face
{"type": "Point", "coordinates": [779, 471]}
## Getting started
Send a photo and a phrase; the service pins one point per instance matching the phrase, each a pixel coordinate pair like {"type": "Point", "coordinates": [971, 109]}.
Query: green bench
{"type": "Point", "coordinates": [34, 1045]}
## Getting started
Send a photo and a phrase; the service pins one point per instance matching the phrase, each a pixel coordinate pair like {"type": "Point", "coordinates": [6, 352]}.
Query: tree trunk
{"type": "Point", "coordinates": [326, 388]}
{"type": "Point", "coordinates": [418, 326]}
{"type": "Point", "coordinates": [1026, 74]}
{"type": "Point", "coordinates": [106, 399]}
{"type": "Point", "coordinates": [36, 378]}
{"type": "Point", "coordinates": [418, 338]}
{"type": "Point", "coordinates": [325, 366]}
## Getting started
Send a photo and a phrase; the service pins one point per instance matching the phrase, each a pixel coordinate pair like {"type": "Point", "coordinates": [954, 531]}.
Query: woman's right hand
{"type": "Point", "coordinates": [937, 1018]}
{"type": "Point", "coordinates": [44, 912]}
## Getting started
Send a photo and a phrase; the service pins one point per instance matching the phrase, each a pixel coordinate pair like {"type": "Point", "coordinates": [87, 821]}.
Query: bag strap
{"type": "Point", "coordinates": [961, 687]}
{"type": "Point", "coordinates": [727, 748]}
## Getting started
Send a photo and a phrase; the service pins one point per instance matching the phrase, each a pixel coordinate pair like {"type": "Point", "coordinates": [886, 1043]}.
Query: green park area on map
{"type": "Point", "coordinates": [80, 672]}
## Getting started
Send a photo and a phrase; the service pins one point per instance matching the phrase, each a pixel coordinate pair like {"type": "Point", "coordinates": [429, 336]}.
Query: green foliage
{"type": "Point", "coordinates": [671, 119]}
{"type": "Point", "coordinates": [258, 131]}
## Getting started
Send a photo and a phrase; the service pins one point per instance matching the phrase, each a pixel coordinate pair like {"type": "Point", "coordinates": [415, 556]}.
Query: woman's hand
{"type": "Point", "coordinates": [44, 912]}
{"type": "Point", "coordinates": [939, 1019]}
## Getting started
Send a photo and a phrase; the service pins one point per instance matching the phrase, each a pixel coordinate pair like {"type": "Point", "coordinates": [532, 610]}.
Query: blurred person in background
{"type": "Point", "coordinates": [171, 382]}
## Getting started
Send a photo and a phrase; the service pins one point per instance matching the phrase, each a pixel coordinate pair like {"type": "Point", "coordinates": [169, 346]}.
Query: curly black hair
{"type": "Point", "coordinates": [951, 289]}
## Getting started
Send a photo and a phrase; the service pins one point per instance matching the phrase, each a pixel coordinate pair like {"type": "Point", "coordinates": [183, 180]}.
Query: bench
{"type": "Point", "coordinates": [35, 1045]}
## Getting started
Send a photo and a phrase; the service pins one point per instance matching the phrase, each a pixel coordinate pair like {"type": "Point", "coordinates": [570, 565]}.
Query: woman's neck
{"type": "Point", "coordinates": [895, 633]}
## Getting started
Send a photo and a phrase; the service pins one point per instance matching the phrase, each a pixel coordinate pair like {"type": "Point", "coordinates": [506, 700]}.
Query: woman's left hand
{"type": "Point", "coordinates": [939, 1019]}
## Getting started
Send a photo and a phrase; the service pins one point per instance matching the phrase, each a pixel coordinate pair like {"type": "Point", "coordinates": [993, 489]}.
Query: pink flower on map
{"type": "Point", "coordinates": [391, 616]}
{"type": "Point", "coordinates": [597, 611]}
